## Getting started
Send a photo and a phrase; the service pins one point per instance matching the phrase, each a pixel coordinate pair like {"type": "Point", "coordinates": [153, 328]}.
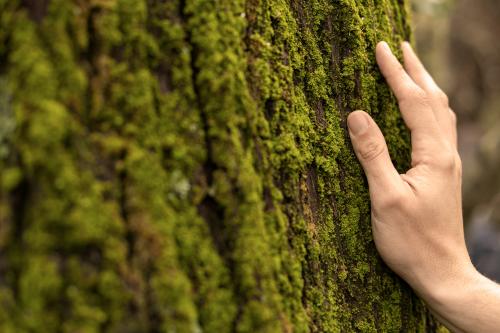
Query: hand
{"type": "Point", "coordinates": [417, 217]}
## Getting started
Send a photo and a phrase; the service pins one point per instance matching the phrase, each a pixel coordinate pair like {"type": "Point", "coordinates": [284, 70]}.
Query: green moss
{"type": "Point", "coordinates": [184, 166]}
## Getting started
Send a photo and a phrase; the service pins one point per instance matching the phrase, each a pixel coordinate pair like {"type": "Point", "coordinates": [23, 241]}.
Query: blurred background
{"type": "Point", "coordinates": [458, 42]}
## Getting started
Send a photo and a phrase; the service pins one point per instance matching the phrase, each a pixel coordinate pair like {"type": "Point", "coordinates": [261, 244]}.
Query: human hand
{"type": "Point", "coordinates": [416, 217]}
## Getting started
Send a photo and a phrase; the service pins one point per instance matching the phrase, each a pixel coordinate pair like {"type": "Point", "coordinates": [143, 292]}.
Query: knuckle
{"type": "Point", "coordinates": [420, 95]}
{"type": "Point", "coordinates": [425, 159]}
{"type": "Point", "coordinates": [416, 97]}
{"type": "Point", "coordinates": [453, 117]}
{"type": "Point", "coordinates": [392, 200]}
{"type": "Point", "coordinates": [371, 150]}
{"type": "Point", "coordinates": [421, 158]}
{"type": "Point", "coordinates": [440, 96]}
{"type": "Point", "coordinates": [398, 71]}
{"type": "Point", "coordinates": [447, 161]}
{"type": "Point", "coordinates": [422, 98]}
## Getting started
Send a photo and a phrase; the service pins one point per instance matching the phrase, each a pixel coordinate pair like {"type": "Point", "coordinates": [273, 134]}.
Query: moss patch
{"type": "Point", "coordinates": [184, 166]}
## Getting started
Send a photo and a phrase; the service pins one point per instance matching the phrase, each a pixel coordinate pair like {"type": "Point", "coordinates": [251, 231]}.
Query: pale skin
{"type": "Point", "coordinates": [417, 216]}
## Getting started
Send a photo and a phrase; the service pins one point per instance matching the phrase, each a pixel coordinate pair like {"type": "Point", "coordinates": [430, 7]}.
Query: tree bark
{"type": "Point", "coordinates": [184, 166]}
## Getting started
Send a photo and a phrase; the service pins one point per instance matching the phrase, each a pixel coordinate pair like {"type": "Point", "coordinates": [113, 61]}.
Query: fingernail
{"type": "Point", "coordinates": [386, 47]}
{"type": "Point", "coordinates": [357, 122]}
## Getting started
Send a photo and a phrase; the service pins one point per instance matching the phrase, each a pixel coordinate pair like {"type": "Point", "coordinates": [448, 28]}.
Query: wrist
{"type": "Point", "coordinates": [439, 281]}
{"type": "Point", "coordinates": [468, 304]}
{"type": "Point", "coordinates": [454, 287]}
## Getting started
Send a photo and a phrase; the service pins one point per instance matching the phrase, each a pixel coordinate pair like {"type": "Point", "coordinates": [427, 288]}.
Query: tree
{"type": "Point", "coordinates": [183, 166]}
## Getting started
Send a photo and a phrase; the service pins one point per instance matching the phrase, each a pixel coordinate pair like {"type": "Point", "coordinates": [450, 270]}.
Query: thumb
{"type": "Point", "coordinates": [371, 150]}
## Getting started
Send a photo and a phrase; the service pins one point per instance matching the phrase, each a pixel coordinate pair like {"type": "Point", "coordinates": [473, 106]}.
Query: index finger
{"type": "Point", "coordinates": [415, 109]}
{"type": "Point", "coordinates": [438, 99]}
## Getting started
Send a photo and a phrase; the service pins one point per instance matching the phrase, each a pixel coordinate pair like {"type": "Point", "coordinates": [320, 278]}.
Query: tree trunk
{"type": "Point", "coordinates": [184, 166]}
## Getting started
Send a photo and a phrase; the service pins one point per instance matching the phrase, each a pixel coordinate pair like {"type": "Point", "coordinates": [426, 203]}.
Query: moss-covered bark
{"type": "Point", "coordinates": [183, 166]}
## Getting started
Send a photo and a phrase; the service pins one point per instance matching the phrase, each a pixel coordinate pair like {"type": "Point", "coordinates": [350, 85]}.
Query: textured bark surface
{"type": "Point", "coordinates": [183, 166]}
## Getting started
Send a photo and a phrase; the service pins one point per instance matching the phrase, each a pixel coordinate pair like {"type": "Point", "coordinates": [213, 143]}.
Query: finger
{"type": "Point", "coordinates": [397, 78]}
{"type": "Point", "coordinates": [413, 102]}
{"type": "Point", "coordinates": [437, 98]}
{"type": "Point", "coordinates": [371, 150]}
{"type": "Point", "coordinates": [416, 69]}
